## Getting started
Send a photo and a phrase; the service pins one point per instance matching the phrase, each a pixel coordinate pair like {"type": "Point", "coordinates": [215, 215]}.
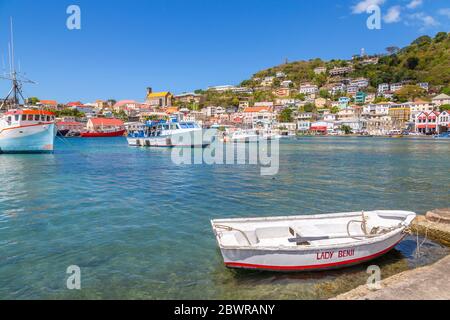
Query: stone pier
{"type": "Point", "coordinates": [426, 283]}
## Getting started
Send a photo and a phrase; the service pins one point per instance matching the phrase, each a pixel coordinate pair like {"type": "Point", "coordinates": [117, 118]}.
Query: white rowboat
{"type": "Point", "coordinates": [305, 243]}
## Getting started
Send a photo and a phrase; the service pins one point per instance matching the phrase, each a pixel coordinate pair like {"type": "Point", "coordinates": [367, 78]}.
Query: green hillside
{"type": "Point", "coordinates": [426, 59]}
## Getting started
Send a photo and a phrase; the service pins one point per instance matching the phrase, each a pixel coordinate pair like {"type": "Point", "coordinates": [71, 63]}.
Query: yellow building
{"type": "Point", "coordinates": [159, 99]}
{"type": "Point", "coordinates": [400, 116]}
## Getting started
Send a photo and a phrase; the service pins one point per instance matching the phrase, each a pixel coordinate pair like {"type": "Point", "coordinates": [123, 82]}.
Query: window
{"type": "Point", "coordinates": [36, 117]}
{"type": "Point", "coordinates": [24, 117]}
{"type": "Point", "coordinates": [48, 118]}
{"type": "Point", "coordinates": [16, 117]}
{"type": "Point", "coordinates": [30, 117]}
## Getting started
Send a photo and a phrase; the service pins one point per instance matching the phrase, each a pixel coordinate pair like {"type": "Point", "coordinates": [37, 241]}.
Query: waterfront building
{"type": "Point", "coordinates": [380, 125]}
{"type": "Point", "coordinates": [159, 99]}
{"type": "Point", "coordinates": [303, 125]}
{"type": "Point", "coordinates": [419, 106]}
{"type": "Point", "coordinates": [258, 115]}
{"type": "Point", "coordinates": [444, 122]}
{"type": "Point", "coordinates": [354, 123]}
{"type": "Point", "coordinates": [400, 116]}
{"type": "Point", "coordinates": [427, 123]}
{"type": "Point", "coordinates": [322, 127]}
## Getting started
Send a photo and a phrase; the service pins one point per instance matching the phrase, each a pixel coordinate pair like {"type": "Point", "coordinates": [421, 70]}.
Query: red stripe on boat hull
{"type": "Point", "coordinates": [310, 267]}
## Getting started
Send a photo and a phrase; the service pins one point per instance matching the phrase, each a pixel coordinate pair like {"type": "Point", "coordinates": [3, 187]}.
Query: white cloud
{"type": "Point", "coordinates": [362, 6]}
{"type": "Point", "coordinates": [445, 12]}
{"type": "Point", "coordinates": [393, 15]}
{"type": "Point", "coordinates": [422, 19]}
{"type": "Point", "coordinates": [414, 4]}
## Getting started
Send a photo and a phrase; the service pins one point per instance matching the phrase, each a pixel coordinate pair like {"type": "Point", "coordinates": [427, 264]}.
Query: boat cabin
{"type": "Point", "coordinates": [17, 118]}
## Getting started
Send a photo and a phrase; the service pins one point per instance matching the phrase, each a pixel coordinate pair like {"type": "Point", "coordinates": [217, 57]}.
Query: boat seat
{"type": "Point", "coordinates": [272, 233]}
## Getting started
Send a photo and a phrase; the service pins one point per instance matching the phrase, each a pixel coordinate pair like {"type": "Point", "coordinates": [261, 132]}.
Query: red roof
{"type": "Point", "coordinates": [106, 122]}
{"type": "Point", "coordinates": [256, 109]}
{"type": "Point", "coordinates": [49, 102]}
{"type": "Point", "coordinates": [74, 104]}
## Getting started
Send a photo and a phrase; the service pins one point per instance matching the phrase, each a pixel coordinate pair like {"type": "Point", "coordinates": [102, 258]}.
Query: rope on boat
{"type": "Point", "coordinates": [228, 228]}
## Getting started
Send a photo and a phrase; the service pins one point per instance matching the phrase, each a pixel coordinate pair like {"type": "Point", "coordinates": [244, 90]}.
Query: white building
{"type": "Point", "coordinates": [441, 99]}
{"type": "Point", "coordinates": [360, 83]}
{"type": "Point", "coordinates": [308, 88]}
{"type": "Point", "coordinates": [396, 86]}
{"type": "Point", "coordinates": [383, 87]}
{"type": "Point", "coordinates": [303, 125]}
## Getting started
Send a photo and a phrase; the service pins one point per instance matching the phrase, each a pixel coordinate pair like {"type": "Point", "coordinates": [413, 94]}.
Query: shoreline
{"type": "Point", "coordinates": [424, 283]}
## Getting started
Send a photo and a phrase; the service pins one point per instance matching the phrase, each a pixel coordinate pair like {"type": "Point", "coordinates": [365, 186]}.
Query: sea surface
{"type": "Point", "coordinates": [138, 225]}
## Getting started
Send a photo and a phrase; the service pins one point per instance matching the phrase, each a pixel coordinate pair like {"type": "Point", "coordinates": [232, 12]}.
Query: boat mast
{"type": "Point", "coordinates": [16, 90]}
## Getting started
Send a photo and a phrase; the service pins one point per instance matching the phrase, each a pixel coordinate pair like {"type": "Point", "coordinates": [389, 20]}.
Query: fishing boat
{"type": "Point", "coordinates": [103, 134]}
{"type": "Point", "coordinates": [171, 133]}
{"type": "Point", "coordinates": [27, 131]}
{"type": "Point", "coordinates": [22, 129]}
{"type": "Point", "coordinates": [306, 243]}
{"type": "Point", "coordinates": [251, 135]}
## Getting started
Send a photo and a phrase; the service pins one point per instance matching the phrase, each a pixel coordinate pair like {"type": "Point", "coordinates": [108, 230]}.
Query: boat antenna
{"type": "Point", "coordinates": [16, 91]}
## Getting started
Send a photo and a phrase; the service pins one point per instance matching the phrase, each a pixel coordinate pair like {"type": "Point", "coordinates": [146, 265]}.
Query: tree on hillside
{"type": "Point", "coordinates": [421, 41]}
{"type": "Point", "coordinates": [309, 107]}
{"type": "Point", "coordinates": [392, 50]}
{"type": "Point", "coordinates": [286, 115]}
{"type": "Point", "coordinates": [412, 63]}
{"type": "Point", "coordinates": [440, 36]}
{"type": "Point", "coordinates": [409, 93]}
{"type": "Point", "coordinates": [33, 100]}
{"type": "Point", "coordinates": [446, 90]}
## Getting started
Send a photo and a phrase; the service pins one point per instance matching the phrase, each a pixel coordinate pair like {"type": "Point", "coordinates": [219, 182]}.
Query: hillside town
{"type": "Point", "coordinates": [355, 113]}
{"type": "Point", "coordinates": [312, 97]}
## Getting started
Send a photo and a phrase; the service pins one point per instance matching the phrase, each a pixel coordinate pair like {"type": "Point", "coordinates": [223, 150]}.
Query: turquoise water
{"type": "Point", "coordinates": [138, 225]}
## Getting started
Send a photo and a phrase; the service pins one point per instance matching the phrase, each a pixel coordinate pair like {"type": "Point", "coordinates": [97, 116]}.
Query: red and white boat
{"type": "Point", "coordinates": [27, 131]}
{"type": "Point", "coordinates": [306, 243]}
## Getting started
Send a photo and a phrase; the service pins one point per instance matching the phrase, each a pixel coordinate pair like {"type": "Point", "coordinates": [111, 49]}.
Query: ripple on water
{"type": "Point", "coordinates": [139, 226]}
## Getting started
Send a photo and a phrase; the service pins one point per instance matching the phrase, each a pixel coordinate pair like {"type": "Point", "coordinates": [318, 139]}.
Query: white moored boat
{"type": "Point", "coordinates": [317, 242]}
{"type": "Point", "coordinates": [171, 133]}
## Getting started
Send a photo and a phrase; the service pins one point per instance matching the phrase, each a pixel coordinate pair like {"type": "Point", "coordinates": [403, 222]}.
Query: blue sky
{"type": "Point", "coordinates": [182, 45]}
